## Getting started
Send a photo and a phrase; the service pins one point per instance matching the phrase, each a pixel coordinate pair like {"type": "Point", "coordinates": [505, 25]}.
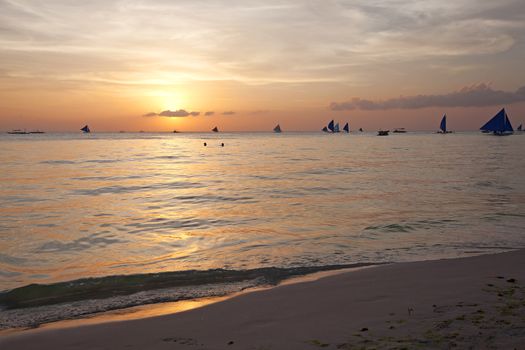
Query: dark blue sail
{"type": "Point", "coordinates": [492, 124]}
{"type": "Point", "coordinates": [443, 125]}
{"type": "Point", "coordinates": [499, 124]}
{"type": "Point", "coordinates": [85, 129]}
{"type": "Point", "coordinates": [346, 128]}
{"type": "Point", "coordinates": [331, 126]}
{"type": "Point", "coordinates": [508, 125]}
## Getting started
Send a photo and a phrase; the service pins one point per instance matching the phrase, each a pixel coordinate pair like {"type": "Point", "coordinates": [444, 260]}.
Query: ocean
{"type": "Point", "coordinates": [135, 218]}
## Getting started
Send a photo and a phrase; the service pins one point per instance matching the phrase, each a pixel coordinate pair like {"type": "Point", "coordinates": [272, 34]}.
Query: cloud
{"type": "Point", "coordinates": [184, 113]}
{"type": "Point", "coordinates": [177, 113]}
{"type": "Point", "coordinates": [47, 39]}
{"type": "Point", "coordinates": [479, 95]}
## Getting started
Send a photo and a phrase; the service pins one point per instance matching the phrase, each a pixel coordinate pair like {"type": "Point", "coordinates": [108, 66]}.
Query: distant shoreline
{"type": "Point", "coordinates": [179, 132]}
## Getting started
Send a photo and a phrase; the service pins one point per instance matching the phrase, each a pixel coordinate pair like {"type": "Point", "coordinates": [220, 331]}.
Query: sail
{"type": "Point", "coordinates": [346, 128]}
{"type": "Point", "coordinates": [325, 129]}
{"type": "Point", "coordinates": [331, 126]}
{"type": "Point", "coordinates": [277, 128]}
{"type": "Point", "coordinates": [85, 129]}
{"type": "Point", "coordinates": [499, 123]}
{"type": "Point", "coordinates": [443, 125]}
{"type": "Point", "coordinates": [507, 126]}
{"type": "Point", "coordinates": [336, 127]}
{"type": "Point", "coordinates": [519, 128]}
{"type": "Point", "coordinates": [492, 124]}
{"type": "Point", "coordinates": [215, 129]}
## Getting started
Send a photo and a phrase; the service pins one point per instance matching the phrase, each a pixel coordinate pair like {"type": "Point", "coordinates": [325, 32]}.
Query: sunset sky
{"type": "Point", "coordinates": [247, 65]}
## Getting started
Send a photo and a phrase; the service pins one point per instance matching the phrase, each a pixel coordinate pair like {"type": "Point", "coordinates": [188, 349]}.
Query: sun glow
{"type": "Point", "coordinates": [171, 102]}
{"type": "Point", "coordinates": [168, 100]}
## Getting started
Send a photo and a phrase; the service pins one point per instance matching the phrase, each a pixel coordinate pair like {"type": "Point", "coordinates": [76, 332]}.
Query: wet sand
{"type": "Point", "coordinates": [476, 302]}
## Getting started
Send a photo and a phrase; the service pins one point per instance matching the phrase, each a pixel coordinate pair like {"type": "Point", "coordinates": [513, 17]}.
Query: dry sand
{"type": "Point", "coordinates": [475, 302]}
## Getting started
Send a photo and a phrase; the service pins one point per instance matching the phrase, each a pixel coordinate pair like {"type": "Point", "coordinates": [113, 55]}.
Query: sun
{"type": "Point", "coordinates": [171, 102]}
{"type": "Point", "coordinates": [168, 100]}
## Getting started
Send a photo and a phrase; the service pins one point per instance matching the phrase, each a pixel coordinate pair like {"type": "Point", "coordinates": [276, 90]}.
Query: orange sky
{"type": "Point", "coordinates": [376, 64]}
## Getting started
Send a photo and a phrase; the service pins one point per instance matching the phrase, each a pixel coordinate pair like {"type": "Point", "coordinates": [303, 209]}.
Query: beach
{"type": "Point", "coordinates": [475, 302]}
{"type": "Point", "coordinates": [262, 174]}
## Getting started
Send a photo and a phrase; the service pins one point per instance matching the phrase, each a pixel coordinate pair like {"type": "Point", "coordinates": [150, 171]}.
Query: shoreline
{"type": "Point", "coordinates": [172, 307]}
{"type": "Point", "coordinates": [36, 305]}
{"type": "Point", "coordinates": [428, 302]}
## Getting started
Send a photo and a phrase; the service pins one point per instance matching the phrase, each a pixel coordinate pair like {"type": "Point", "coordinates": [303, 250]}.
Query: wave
{"type": "Point", "coordinates": [419, 225]}
{"type": "Point", "coordinates": [34, 304]}
{"type": "Point", "coordinates": [136, 188]}
{"type": "Point", "coordinates": [108, 286]}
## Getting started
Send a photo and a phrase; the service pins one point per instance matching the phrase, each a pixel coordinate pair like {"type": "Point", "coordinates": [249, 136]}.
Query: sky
{"type": "Point", "coordinates": [190, 65]}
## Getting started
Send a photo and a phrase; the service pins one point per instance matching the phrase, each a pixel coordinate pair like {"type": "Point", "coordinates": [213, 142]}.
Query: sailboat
{"type": "Point", "coordinates": [18, 132]}
{"type": "Point", "coordinates": [443, 126]}
{"type": "Point", "coordinates": [215, 129]}
{"type": "Point", "coordinates": [336, 127]}
{"type": "Point", "coordinates": [331, 126]}
{"type": "Point", "coordinates": [325, 129]}
{"type": "Point", "coordinates": [277, 129]}
{"type": "Point", "coordinates": [85, 129]}
{"type": "Point", "coordinates": [346, 128]}
{"type": "Point", "coordinates": [519, 128]}
{"type": "Point", "coordinates": [499, 125]}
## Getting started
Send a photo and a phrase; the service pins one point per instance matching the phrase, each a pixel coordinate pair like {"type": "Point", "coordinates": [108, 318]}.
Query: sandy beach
{"type": "Point", "coordinates": [475, 302]}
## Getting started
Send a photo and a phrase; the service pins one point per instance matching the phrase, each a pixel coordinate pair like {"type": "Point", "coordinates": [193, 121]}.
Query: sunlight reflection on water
{"type": "Point", "coordinates": [77, 206]}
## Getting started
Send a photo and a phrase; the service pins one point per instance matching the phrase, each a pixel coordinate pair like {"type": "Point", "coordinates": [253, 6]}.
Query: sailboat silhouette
{"type": "Point", "coordinates": [499, 125]}
{"type": "Point", "coordinates": [443, 126]}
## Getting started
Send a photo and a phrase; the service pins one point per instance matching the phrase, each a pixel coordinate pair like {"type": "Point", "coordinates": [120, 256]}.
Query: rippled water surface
{"type": "Point", "coordinates": [77, 206]}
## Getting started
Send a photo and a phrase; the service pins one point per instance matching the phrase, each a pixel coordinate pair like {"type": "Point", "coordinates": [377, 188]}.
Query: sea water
{"type": "Point", "coordinates": [78, 206]}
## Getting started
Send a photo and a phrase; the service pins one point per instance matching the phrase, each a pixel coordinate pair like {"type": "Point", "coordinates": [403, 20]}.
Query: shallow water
{"type": "Point", "coordinates": [75, 206]}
